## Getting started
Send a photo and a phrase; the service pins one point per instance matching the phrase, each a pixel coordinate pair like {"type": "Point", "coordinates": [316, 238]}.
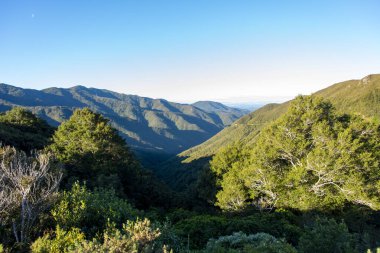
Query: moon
{"type": "Point", "coordinates": [33, 15]}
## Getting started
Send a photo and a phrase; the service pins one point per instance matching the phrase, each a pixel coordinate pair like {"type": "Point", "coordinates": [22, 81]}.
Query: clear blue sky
{"type": "Point", "coordinates": [185, 50]}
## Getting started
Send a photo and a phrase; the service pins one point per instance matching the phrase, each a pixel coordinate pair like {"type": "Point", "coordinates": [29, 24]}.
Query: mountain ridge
{"type": "Point", "coordinates": [147, 124]}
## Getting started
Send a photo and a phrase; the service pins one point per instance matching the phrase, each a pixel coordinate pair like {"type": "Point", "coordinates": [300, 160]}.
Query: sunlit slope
{"type": "Point", "coordinates": [353, 96]}
{"type": "Point", "coordinates": [245, 129]}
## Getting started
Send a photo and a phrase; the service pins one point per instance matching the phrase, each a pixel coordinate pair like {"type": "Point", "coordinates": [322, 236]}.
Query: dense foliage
{"type": "Point", "coordinates": [92, 150]}
{"type": "Point", "coordinates": [327, 235]}
{"type": "Point", "coordinates": [22, 129]}
{"type": "Point", "coordinates": [135, 236]}
{"type": "Point", "coordinates": [91, 211]}
{"type": "Point", "coordinates": [311, 158]}
{"type": "Point", "coordinates": [240, 242]}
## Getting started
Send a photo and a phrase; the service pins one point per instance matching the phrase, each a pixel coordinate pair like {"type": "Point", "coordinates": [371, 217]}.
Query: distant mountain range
{"type": "Point", "coordinates": [147, 124]}
{"type": "Point", "coordinates": [353, 96]}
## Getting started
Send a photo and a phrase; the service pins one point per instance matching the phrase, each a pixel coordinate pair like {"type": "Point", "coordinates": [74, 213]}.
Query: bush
{"type": "Point", "coordinates": [327, 236]}
{"type": "Point", "coordinates": [260, 242]}
{"type": "Point", "coordinates": [135, 236]}
{"type": "Point", "coordinates": [168, 238]}
{"type": "Point", "coordinates": [200, 228]}
{"type": "Point", "coordinates": [281, 224]}
{"type": "Point", "coordinates": [61, 241]}
{"type": "Point", "coordinates": [91, 211]}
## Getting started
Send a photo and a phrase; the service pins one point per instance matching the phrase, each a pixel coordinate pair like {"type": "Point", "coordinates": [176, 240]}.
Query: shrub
{"type": "Point", "coordinates": [328, 236]}
{"type": "Point", "coordinates": [91, 211]}
{"type": "Point", "coordinates": [200, 228]}
{"type": "Point", "coordinates": [260, 242]}
{"type": "Point", "coordinates": [61, 241]}
{"type": "Point", "coordinates": [28, 186]}
{"type": "Point", "coordinates": [135, 236]}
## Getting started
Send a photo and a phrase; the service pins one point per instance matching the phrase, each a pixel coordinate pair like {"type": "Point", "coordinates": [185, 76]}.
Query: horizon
{"type": "Point", "coordinates": [256, 101]}
{"type": "Point", "coordinates": [189, 51]}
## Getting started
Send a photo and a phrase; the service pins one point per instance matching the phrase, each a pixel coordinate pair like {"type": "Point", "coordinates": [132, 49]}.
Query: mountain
{"type": "Point", "coordinates": [227, 114]}
{"type": "Point", "coordinates": [148, 125]}
{"type": "Point", "coordinates": [353, 96]}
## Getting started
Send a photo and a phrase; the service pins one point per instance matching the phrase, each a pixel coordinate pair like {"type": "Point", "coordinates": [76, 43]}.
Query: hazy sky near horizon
{"type": "Point", "coordinates": [189, 50]}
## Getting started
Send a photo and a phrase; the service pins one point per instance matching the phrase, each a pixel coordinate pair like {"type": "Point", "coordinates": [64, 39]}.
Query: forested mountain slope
{"type": "Point", "coordinates": [146, 124]}
{"type": "Point", "coordinates": [353, 96]}
{"type": "Point", "coordinates": [227, 114]}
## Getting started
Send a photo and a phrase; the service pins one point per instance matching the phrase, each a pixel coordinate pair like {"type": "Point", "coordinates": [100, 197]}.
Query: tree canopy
{"type": "Point", "coordinates": [92, 150]}
{"type": "Point", "coordinates": [22, 129]}
{"type": "Point", "coordinates": [310, 158]}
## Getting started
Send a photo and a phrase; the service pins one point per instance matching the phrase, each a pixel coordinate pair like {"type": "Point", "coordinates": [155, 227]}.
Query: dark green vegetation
{"type": "Point", "coordinates": [308, 181]}
{"type": "Point", "coordinates": [23, 130]}
{"type": "Point", "coordinates": [148, 125]}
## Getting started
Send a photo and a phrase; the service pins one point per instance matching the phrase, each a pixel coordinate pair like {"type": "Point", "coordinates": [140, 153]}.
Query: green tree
{"type": "Point", "coordinates": [93, 151]}
{"type": "Point", "coordinates": [310, 158]}
{"type": "Point", "coordinates": [22, 129]}
{"type": "Point", "coordinates": [210, 181]}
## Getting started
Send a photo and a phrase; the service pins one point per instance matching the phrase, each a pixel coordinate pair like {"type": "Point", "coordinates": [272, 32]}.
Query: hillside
{"type": "Point", "coordinates": [353, 96]}
{"type": "Point", "coordinates": [147, 124]}
{"type": "Point", "coordinates": [359, 96]}
{"type": "Point", "coordinates": [227, 114]}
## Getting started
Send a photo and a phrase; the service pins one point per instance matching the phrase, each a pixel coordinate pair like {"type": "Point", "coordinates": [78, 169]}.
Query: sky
{"type": "Point", "coordinates": [189, 50]}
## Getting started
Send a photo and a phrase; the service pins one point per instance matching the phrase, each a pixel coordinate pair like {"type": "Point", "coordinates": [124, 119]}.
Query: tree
{"type": "Point", "coordinates": [22, 129]}
{"type": "Point", "coordinates": [310, 158]}
{"type": "Point", "coordinates": [27, 187]}
{"type": "Point", "coordinates": [93, 151]}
